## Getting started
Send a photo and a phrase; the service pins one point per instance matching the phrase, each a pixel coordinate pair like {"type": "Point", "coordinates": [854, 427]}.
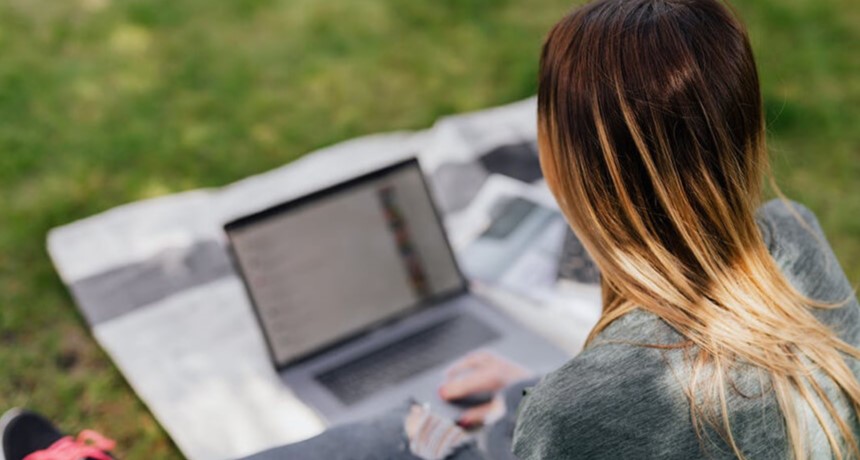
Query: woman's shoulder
{"type": "Point", "coordinates": [797, 243]}
{"type": "Point", "coordinates": [788, 227]}
{"type": "Point", "coordinates": [800, 249]}
{"type": "Point", "coordinates": [616, 396]}
{"type": "Point", "coordinates": [626, 362]}
{"type": "Point", "coordinates": [634, 347]}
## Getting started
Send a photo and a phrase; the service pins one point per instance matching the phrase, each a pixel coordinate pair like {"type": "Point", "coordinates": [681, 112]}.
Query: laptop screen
{"type": "Point", "coordinates": [329, 266]}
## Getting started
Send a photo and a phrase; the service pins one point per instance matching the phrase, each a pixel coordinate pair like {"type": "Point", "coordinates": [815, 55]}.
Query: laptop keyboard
{"type": "Point", "coordinates": [394, 363]}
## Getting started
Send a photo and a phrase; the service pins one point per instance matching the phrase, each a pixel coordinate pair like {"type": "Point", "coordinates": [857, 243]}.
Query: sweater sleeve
{"type": "Point", "coordinates": [800, 249]}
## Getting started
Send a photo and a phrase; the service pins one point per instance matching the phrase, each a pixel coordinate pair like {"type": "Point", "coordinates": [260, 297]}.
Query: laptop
{"type": "Point", "coordinates": [360, 298]}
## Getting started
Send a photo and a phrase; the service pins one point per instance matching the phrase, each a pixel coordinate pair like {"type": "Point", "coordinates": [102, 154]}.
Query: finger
{"type": "Point", "coordinates": [475, 416]}
{"type": "Point", "coordinates": [469, 384]}
{"type": "Point", "coordinates": [468, 362]}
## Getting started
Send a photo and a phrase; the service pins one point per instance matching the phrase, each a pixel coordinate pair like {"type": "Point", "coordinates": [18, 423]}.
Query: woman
{"type": "Point", "coordinates": [725, 332]}
{"type": "Point", "coordinates": [728, 328]}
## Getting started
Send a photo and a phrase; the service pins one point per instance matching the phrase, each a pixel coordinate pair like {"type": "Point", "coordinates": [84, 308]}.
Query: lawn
{"type": "Point", "coordinates": [103, 102]}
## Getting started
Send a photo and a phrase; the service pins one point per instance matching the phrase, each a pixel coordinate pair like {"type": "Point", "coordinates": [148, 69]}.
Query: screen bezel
{"type": "Point", "coordinates": [293, 204]}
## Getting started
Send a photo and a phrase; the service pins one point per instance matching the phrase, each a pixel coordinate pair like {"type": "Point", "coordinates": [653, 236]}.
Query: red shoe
{"type": "Point", "coordinates": [29, 436]}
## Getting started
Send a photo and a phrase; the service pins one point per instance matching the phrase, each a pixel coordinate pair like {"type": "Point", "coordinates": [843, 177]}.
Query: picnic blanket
{"type": "Point", "coordinates": [155, 285]}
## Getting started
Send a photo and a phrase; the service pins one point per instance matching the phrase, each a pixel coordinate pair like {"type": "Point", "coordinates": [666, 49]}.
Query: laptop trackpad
{"type": "Point", "coordinates": [435, 345]}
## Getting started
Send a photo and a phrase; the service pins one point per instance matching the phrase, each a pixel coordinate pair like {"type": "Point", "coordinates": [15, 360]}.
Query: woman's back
{"type": "Point", "coordinates": [620, 399]}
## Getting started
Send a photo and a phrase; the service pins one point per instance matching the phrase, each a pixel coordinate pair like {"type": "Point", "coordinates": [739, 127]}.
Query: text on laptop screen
{"type": "Point", "coordinates": [334, 265]}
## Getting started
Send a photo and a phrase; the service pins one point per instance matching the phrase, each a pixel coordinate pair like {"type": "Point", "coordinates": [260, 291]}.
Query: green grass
{"type": "Point", "coordinates": [104, 102]}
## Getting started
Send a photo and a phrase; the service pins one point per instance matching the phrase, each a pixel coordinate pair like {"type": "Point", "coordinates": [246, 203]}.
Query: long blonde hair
{"type": "Point", "coordinates": [652, 139]}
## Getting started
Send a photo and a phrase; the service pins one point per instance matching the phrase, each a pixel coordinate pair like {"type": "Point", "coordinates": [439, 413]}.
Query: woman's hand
{"type": "Point", "coordinates": [481, 373]}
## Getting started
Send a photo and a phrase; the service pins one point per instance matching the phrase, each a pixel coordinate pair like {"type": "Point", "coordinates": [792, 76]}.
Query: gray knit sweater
{"type": "Point", "coordinates": [619, 400]}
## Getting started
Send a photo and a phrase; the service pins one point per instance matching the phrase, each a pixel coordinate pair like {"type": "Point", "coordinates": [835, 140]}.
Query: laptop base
{"type": "Point", "coordinates": [337, 385]}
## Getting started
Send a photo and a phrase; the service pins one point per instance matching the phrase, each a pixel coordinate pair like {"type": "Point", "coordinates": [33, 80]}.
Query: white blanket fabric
{"type": "Point", "coordinates": [154, 283]}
